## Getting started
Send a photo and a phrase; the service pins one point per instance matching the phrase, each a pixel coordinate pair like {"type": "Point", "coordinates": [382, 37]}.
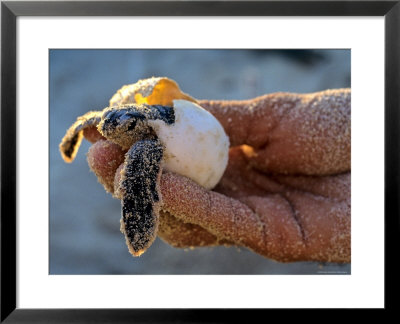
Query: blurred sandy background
{"type": "Point", "coordinates": [84, 219]}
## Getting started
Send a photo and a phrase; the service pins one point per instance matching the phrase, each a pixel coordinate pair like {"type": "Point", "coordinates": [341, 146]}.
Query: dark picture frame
{"type": "Point", "coordinates": [10, 10]}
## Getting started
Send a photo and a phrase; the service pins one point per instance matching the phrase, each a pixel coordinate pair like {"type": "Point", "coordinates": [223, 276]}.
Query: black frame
{"type": "Point", "coordinates": [11, 10]}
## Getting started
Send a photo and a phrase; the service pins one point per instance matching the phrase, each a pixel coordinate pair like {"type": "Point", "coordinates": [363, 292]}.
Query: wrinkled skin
{"type": "Point", "coordinates": [286, 191]}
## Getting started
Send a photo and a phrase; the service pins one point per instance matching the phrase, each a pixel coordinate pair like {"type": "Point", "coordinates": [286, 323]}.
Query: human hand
{"type": "Point", "coordinates": [286, 191]}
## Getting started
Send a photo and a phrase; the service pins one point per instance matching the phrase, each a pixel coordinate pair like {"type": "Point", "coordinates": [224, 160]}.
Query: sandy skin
{"type": "Point", "coordinates": [286, 191]}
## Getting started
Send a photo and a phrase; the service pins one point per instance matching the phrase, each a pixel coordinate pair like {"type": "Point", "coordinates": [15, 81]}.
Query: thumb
{"type": "Point", "coordinates": [271, 225]}
{"type": "Point", "coordinates": [232, 220]}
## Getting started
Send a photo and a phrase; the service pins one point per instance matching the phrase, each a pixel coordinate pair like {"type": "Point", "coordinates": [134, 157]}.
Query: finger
{"type": "Point", "coordinates": [104, 158]}
{"type": "Point", "coordinates": [285, 228]}
{"type": "Point", "coordinates": [223, 216]}
{"type": "Point", "coordinates": [291, 133]}
{"type": "Point", "coordinates": [185, 235]}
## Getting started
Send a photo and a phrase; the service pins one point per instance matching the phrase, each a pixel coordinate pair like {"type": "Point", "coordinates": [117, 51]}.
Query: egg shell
{"type": "Point", "coordinates": [196, 145]}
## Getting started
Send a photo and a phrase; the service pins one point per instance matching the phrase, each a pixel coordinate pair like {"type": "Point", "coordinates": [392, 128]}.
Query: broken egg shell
{"type": "Point", "coordinates": [151, 91]}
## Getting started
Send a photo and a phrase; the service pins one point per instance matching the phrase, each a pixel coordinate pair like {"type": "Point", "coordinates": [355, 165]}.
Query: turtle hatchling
{"type": "Point", "coordinates": [181, 137]}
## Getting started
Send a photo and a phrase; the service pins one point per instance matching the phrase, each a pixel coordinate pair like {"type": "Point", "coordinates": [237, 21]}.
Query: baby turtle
{"type": "Point", "coordinates": [183, 138]}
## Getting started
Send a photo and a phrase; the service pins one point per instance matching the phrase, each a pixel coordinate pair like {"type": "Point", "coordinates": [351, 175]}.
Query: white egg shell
{"type": "Point", "coordinates": [196, 145]}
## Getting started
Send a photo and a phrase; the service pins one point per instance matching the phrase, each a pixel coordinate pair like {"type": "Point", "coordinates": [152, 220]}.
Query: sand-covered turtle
{"type": "Point", "coordinates": [161, 128]}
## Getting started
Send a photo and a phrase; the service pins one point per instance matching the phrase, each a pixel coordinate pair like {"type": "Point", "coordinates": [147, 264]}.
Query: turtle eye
{"type": "Point", "coordinates": [131, 114]}
{"type": "Point", "coordinates": [131, 117]}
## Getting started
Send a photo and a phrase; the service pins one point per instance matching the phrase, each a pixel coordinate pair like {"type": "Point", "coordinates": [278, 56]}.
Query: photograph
{"type": "Point", "coordinates": [199, 161]}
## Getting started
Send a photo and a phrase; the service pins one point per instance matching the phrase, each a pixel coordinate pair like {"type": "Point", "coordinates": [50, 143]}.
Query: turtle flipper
{"type": "Point", "coordinates": [72, 140]}
{"type": "Point", "coordinates": [139, 186]}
